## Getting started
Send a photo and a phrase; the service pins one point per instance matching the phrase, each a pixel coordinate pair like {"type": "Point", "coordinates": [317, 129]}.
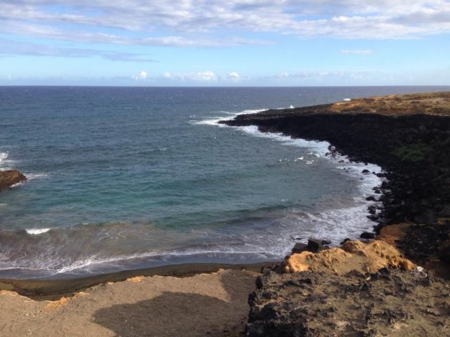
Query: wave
{"type": "Point", "coordinates": [5, 163]}
{"type": "Point", "coordinates": [37, 231]}
{"type": "Point", "coordinates": [45, 252]}
{"type": "Point", "coordinates": [92, 248]}
{"type": "Point", "coordinates": [32, 176]}
{"type": "Point", "coordinates": [3, 156]}
{"type": "Point", "coordinates": [231, 115]}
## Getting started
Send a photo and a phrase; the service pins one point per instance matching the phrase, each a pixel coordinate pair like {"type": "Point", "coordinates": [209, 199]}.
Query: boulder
{"type": "Point", "coordinates": [10, 178]}
{"type": "Point", "coordinates": [299, 247]}
{"type": "Point", "coordinates": [313, 246]}
{"type": "Point", "coordinates": [367, 235]}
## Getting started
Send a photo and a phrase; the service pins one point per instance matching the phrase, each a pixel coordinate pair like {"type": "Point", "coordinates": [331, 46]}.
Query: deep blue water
{"type": "Point", "coordinates": [123, 178]}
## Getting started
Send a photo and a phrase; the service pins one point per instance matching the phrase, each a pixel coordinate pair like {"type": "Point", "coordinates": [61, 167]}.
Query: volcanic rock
{"type": "Point", "coordinates": [10, 178]}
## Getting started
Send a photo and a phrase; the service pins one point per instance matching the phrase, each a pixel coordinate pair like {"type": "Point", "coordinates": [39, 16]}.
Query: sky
{"type": "Point", "coordinates": [224, 42]}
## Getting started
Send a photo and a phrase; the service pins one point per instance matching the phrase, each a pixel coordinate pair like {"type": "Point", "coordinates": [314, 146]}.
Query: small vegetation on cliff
{"type": "Point", "coordinates": [412, 153]}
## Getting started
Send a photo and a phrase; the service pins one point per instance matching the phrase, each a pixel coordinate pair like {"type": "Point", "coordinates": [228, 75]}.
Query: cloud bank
{"type": "Point", "coordinates": [195, 23]}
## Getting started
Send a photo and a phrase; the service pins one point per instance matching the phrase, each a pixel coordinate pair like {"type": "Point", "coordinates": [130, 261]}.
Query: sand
{"type": "Point", "coordinates": [201, 305]}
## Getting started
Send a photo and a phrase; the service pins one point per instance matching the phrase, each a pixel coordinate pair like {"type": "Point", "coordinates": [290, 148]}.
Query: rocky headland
{"type": "Point", "coordinates": [369, 289]}
{"type": "Point", "coordinates": [9, 178]}
{"type": "Point", "coordinates": [407, 135]}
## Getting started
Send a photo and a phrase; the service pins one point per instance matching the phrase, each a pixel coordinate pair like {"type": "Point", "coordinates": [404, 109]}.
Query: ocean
{"type": "Point", "coordinates": [129, 178]}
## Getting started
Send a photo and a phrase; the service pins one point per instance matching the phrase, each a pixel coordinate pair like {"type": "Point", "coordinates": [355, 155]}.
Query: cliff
{"type": "Point", "coordinates": [407, 135]}
{"type": "Point", "coordinates": [362, 292]}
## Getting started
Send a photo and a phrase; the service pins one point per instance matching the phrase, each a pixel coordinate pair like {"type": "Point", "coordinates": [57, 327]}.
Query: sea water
{"type": "Point", "coordinates": [127, 178]}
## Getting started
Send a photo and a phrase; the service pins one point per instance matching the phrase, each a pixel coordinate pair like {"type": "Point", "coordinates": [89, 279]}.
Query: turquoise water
{"type": "Point", "coordinates": [124, 178]}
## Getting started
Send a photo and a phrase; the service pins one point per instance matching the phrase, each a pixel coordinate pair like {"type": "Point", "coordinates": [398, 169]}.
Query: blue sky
{"type": "Point", "coordinates": [224, 43]}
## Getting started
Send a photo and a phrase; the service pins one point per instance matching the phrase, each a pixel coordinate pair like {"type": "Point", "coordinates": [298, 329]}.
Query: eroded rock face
{"type": "Point", "coordinates": [353, 255]}
{"type": "Point", "coordinates": [9, 178]}
{"type": "Point", "coordinates": [358, 289]}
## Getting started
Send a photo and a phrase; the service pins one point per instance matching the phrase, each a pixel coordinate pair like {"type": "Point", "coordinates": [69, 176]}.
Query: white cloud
{"type": "Point", "coordinates": [283, 75]}
{"type": "Point", "coordinates": [233, 76]}
{"type": "Point", "coordinates": [203, 76]}
{"type": "Point", "coordinates": [142, 75]}
{"type": "Point", "coordinates": [195, 22]}
{"type": "Point", "coordinates": [11, 47]}
{"type": "Point", "coordinates": [357, 52]}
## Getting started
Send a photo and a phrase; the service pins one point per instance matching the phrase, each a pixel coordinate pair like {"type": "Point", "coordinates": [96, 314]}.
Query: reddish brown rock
{"type": "Point", "coordinates": [9, 178]}
{"type": "Point", "coordinates": [353, 255]}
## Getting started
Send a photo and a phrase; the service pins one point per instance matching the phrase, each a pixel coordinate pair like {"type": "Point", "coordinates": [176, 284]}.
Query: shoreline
{"type": "Point", "coordinates": [54, 288]}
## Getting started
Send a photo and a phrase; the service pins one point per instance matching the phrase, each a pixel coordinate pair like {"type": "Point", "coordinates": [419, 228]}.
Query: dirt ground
{"type": "Point", "coordinates": [201, 305]}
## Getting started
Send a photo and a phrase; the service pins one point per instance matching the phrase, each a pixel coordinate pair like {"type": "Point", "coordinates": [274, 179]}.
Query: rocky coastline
{"type": "Point", "coordinates": [407, 135]}
{"type": "Point", "coordinates": [328, 292]}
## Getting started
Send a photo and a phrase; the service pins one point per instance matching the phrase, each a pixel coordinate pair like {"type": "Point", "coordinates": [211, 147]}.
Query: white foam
{"type": "Point", "coordinates": [212, 121]}
{"type": "Point", "coordinates": [231, 115]}
{"type": "Point", "coordinates": [31, 176]}
{"type": "Point", "coordinates": [5, 163]}
{"type": "Point", "coordinates": [339, 224]}
{"type": "Point", "coordinates": [37, 231]}
{"type": "Point", "coordinates": [164, 255]}
{"type": "Point", "coordinates": [16, 185]}
{"type": "Point", "coordinates": [319, 148]}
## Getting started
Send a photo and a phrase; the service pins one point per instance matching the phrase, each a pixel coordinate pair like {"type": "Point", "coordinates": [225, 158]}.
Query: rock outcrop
{"type": "Point", "coordinates": [353, 255]}
{"type": "Point", "coordinates": [10, 178]}
{"type": "Point", "coordinates": [359, 289]}
{"type": "Point", "coordinates": [389, 302]}
{"type": "Point", "coordinates": [369, 289]}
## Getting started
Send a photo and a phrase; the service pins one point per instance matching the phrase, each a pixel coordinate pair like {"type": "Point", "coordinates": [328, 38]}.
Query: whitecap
{"type": "Point", "coordinates": [31, 176]}
{"type": "Point", "coordinates": [16, 185]}
{"type": "Point", "coordinates": [37, 231]}
{"type": "Point", "coordinates": [214, 120]}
